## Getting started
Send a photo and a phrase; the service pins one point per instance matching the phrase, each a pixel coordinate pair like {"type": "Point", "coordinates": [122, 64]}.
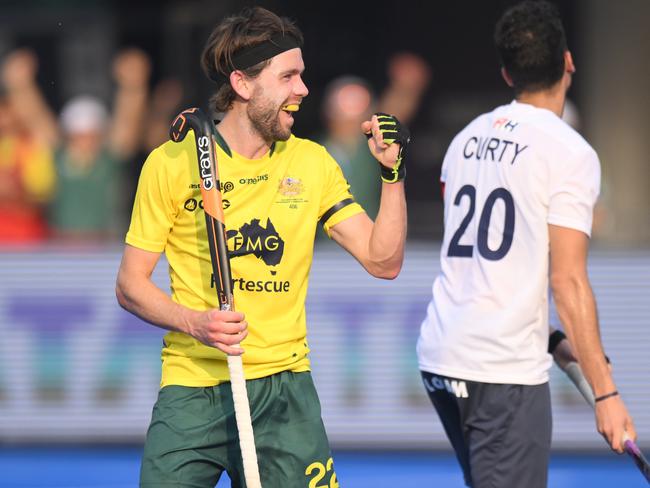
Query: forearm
{"type": "Point", "coordinates": [576, 308]}
{"type": "Point", "coordinates": [144, 299]}
{"type": "Point", "coordinates": [400, 101]}
{"type": "Point", "coordinates": [34, 112]}
{"type": "Point", "coordinates": [126, 127]}
{"type": "Point", "coordinates": [379, 245]}
{"type": "Point", "coordinates": [388, 236]}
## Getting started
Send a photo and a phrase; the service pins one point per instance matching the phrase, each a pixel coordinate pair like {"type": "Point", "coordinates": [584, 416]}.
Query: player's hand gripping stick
{"type": "Point", "coordinates": [574, 372]}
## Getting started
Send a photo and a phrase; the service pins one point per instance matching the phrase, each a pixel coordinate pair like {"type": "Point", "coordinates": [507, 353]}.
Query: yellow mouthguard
{"type": "Point", "coordinates": [294, 107]}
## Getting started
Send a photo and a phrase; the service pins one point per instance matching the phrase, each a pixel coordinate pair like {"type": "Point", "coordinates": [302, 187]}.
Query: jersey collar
{"type": "Point", "coordinates": [221, 142]}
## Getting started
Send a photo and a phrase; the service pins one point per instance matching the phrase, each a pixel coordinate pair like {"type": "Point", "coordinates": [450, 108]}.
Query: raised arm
{"type": "Point", "coordinates": [576, 307]}
{"type": "Point", "coordinates": [379, 245]}
{"type": "Point", "coordinates": [131, 70]}
{"type": "Point", "coordinates": [137, 294]}
{"type": "Point", "coordinates": [165, 100]}
{"type": "Point", "coordinates": [19, 77]}
{"type": "Point", "coordinates": [408, 78]}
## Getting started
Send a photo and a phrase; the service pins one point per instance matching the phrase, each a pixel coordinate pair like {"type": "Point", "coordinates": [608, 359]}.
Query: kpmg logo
{"type": "Point", "coordinates": [205, 162]}
{"type": "Point", "coordinates": [263, 242]}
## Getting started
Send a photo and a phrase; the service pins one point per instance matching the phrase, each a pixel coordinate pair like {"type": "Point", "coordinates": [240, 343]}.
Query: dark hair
{"type": "Point", "coordinates": [531, 43]}
{"type": "Point", "coordinates": [252, 26]}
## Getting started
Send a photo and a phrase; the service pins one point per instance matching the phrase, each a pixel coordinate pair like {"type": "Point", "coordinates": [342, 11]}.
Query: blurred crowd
{"type": "Point", "coordinates": [349, 100]}
{"type": "Point", "coordinates": [70, 177]}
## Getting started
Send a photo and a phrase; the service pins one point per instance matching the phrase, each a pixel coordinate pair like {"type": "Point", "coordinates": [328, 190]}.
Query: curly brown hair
{"type": "Point", "coordinates": [250, 27]}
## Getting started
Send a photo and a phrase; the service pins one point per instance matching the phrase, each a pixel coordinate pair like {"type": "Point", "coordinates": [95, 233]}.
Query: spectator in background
{"type": "Point", "coordinates": [165, 104]}
{"type": "Point", "coordinates": [27, 173]}
{"type": "Point", "coordinates": [349, 100]}
{"type": "Point", "coordinates": [89, 148]}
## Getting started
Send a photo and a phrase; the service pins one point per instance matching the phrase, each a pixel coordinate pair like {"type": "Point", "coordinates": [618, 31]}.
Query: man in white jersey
{"type": "Point", "coordinates": [518, 182]}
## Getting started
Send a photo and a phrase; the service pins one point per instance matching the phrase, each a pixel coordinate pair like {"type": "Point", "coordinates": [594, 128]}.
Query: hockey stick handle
{"type": "Point", "coordinates": [204, 136]}
{"type": "Point", "coordinates": [194, 119]}
{"type": "Point", "coordinates": [574, 373]}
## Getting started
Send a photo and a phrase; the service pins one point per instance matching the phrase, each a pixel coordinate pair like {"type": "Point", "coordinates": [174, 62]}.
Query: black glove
{"type": "Point", "coordinates": [393, 131]}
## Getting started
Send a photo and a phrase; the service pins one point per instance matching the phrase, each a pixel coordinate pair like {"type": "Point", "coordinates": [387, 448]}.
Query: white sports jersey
{"type": "Point", "coordinates": [507, 175]}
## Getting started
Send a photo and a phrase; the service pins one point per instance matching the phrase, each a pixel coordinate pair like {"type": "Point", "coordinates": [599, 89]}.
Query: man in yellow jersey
{"type": "Point", "coordinates": [276, 188]}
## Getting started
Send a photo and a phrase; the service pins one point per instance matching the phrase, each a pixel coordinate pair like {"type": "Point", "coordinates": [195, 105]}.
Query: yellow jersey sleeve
{"type": "Point", "coordinates": [153, 209]}
{"type": "Point", "coordinates": [337, 203]}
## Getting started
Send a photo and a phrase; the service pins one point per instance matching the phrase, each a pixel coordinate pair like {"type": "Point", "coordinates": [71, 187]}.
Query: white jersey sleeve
{"type": "Point", "coordinates": [575, 187]}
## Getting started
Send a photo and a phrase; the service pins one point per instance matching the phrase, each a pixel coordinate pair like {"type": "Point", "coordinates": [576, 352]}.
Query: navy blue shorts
{"type": "Point", "coordinates": [501, 433]}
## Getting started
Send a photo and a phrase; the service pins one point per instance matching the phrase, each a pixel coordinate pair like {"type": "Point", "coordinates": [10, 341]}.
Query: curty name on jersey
{"type": "Point", "coordinates": [205, 162]}
{"type": "Point", "coordinates": [455, 387]}
{"type": "Point", "coordinates": [482, 148]}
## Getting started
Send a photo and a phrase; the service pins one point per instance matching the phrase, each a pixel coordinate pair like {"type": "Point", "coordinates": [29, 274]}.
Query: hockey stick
{"type": "Point", "coordinates": [574, 373]}
{"type": "Point", "coordinates": [204, 136]}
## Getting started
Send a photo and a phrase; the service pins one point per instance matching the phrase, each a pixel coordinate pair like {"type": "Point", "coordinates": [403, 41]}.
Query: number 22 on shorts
{"type": "Point", "coordinates": [319, 471]}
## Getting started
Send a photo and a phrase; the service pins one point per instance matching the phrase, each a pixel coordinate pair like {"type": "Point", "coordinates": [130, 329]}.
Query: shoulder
{"type": "Point", "coordinates": [555, 137]}
{"type": "Point", "coordinates": [568, 154]}
{"type": "Point", "coordinates": [306, 153]}
{"type": "Point", "coordinates": [173, 155]}
{"type": "Point", "coordinates": [170, 150]}
{"type": "Point", "coordinates": [563, 134]}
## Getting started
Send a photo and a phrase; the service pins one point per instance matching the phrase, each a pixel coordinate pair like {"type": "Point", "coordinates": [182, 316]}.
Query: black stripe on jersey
{"type": "Point", "coordinates": [335, 208]}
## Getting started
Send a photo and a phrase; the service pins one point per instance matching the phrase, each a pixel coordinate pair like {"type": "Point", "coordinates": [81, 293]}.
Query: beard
{"type": "Point", "coordinates": [264, 115]}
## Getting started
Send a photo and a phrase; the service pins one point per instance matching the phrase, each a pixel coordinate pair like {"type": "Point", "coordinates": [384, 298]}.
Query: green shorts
{"type": "Point", "coordinates": [192, 438]}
